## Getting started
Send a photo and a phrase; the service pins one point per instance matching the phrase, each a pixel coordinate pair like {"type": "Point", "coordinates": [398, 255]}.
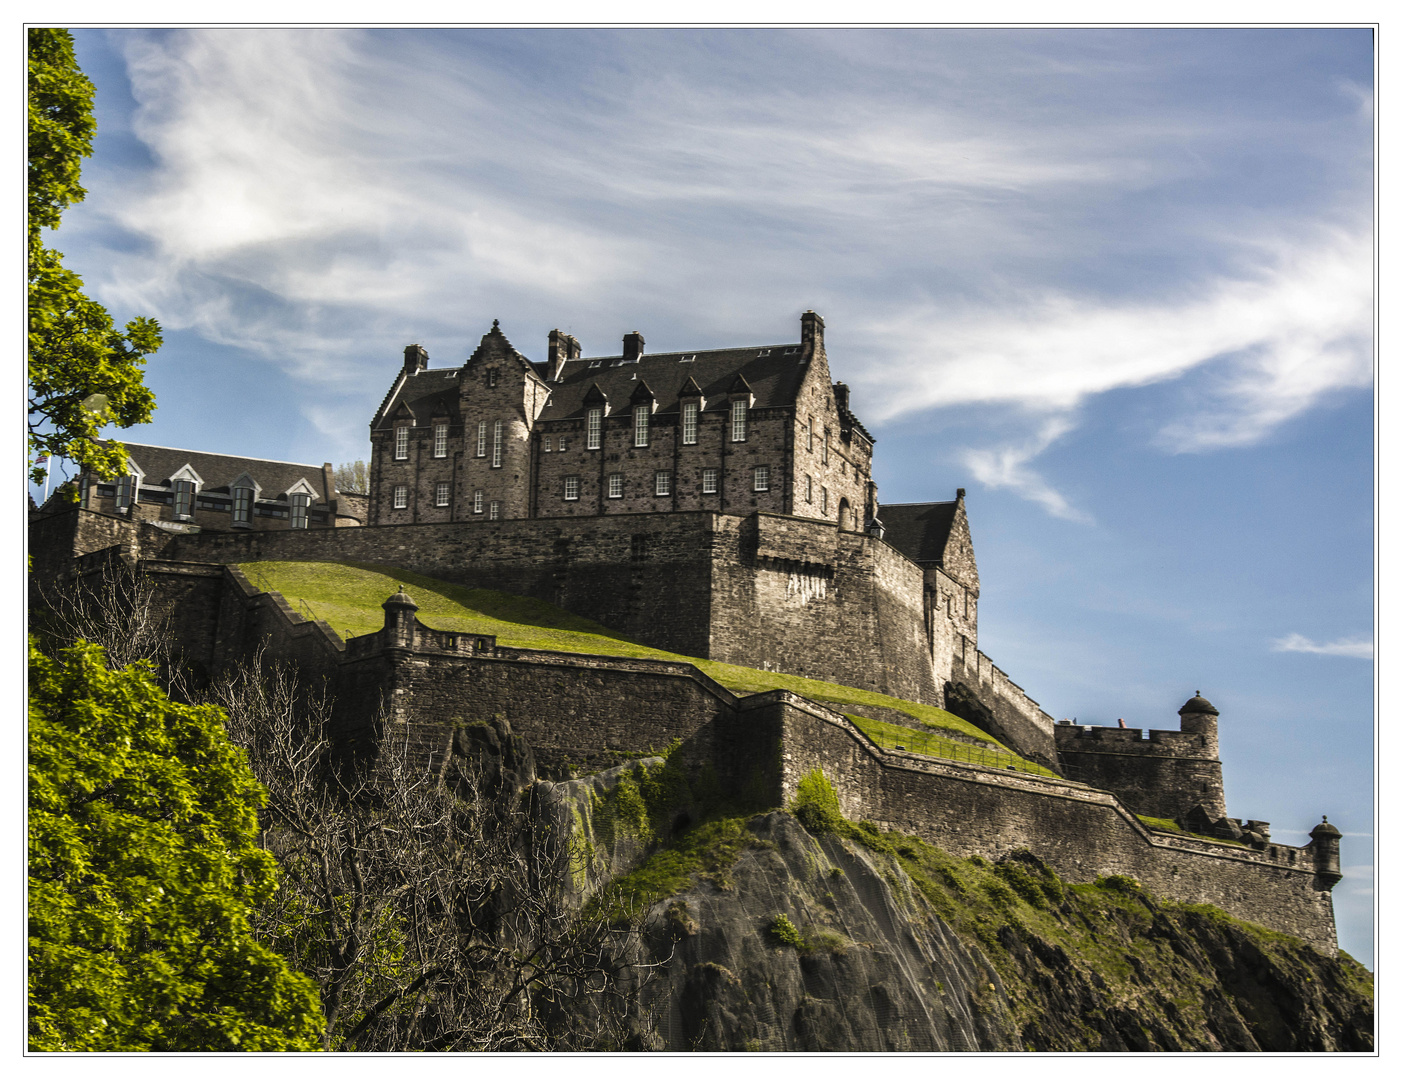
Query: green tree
{"type": "Point", "coordinates": [143, 870]}
{"type": "Point", "coordinates": [83, 371]}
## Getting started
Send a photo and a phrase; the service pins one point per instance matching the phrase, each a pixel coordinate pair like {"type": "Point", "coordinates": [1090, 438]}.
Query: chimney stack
{"type": "Point", "coordinates": [563, 347]}
{"type": "Point", "coordinates": [415, 359]}
{"type": "Point", "coordinates": [841, 392]}
{"type": "Point", "coordinates": [632, 347]}
{"type": "Point", "coordinates": [813, 348]}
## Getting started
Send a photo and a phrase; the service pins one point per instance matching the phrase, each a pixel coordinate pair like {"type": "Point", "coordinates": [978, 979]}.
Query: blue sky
{"type": "Point", "coordinates": [1116, 283]}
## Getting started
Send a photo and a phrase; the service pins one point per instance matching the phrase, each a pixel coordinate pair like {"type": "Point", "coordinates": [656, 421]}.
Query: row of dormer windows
{"type": "Point", "coordinates": [185, 499]}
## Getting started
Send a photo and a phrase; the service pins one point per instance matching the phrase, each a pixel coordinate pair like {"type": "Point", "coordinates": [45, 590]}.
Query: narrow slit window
{"type": "Point", "coordinates": [808, 489]}
{"type": "Point", "coordinates": [496, 444]}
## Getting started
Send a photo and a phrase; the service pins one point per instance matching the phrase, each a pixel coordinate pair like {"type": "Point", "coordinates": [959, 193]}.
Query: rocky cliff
{"type": "Point", "coordinates": [800, 931]}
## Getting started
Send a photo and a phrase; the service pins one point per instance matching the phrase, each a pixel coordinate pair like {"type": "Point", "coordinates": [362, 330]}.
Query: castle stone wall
{"type": "Point", "coordinates": [1007, 712]}
{"type": "Point", "coordinates": [1079, 831]}
{"type": "Point", "coordinates": [1164, 775]}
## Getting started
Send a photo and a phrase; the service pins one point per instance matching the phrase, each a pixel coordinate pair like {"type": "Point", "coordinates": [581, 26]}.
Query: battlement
{"type": "Point", "coordinates": [1086, 739]}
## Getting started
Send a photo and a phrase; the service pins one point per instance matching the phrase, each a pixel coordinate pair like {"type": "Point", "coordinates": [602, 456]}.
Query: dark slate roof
{"type": "Point", "coordinates": [158, 463]}
{"type": "Point", "coordinates": [774, 379]}
{"type": "Point", "coordinates": [429, 393]}
{"type": "Point", "coordinates": [919, 531]}
{"type": "Point", "coordinates": [1198, 704]}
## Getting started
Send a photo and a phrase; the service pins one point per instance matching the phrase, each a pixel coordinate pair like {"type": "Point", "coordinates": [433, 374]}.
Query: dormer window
{"type": "Point", "coordinates": [243, 506]}
{"type": "Point", "coordinates": [440, 440]}
{"type": "Point", "coordinates": [687, 359]}
{"type": "Point", "coordinates": [765, 352]}
{"type": "Point", "coordinates": [594, 430]}
{"type": "Point", "coordinates": [739, 420]}
{"type": "Point", "coordinates": [299, 503]}
{"type": "Point", "coordinates": [126, 491]}
{"type": "Point", "coordinates": [642, 415]}
{"type": "Point", "coordinates": [401, 443]}
{"type": "Point", "coordinates": [184, 498]}
{"type": "Point", "coordinates": [689, 411]}
{"type": "Point", "coordinates": [791, 350]}
{"type": "Point", "coordinates": [596, 363]}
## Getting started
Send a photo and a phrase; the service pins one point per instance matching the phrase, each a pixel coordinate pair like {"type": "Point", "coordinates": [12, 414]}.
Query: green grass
{"type": "Point", "coordinates": [349, 596]}
{"type": "Point", "coordinates": [1168, 825]}
{"type": "Point", "coordinates": [928, 743]}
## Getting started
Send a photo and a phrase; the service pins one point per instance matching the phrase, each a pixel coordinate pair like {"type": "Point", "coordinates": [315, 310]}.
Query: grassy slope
{"type": "Point", "coordinates": [349, 596]}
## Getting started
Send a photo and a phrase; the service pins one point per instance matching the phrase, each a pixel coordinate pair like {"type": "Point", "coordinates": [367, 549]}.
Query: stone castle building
{"type": "Point", "coordinates": [718, 504]}
{"type": "Point", "coordinates": [731, 431]}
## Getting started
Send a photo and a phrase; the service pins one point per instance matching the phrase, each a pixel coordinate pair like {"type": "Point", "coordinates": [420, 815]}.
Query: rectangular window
{"type": "Point", "coordinates": [689, 411]}
{"type": "Point", "coordinates": [440, 493]}
{"type": "Point", "coordinates": [184, 498]}
{"type": "Point", "coordinates": [709, 479]}
{"type": "Point", "coordinates": [491, 376]}
{"type": "Point", "coordinates": [494, 510]}
{"type": "Point", "coordinates": [496, 444]}
{"type": "Point", "coordinates": [299, 510]}
{"type": "Point", "coordinates": [243, 505]}
{"type": "Point", "coordinates": [616, 485]}
{"type": "Point", "coordinates": [401, 443]}
{"type": "Point", "coordinates": [596, 428]}
{"type": "Point", "coordinates": [662, 482]}
{"type": "Point", "coordinates": [126, 487]}
{"type": "Point", "coordinates": [571, 488]}
{"type": "Point", "coordinates": [84, 489]}
{"type": "Point", "coordinates": [825, 446]}
{"type": "Point", "coordinates": [477, 502]}
{"type": "Point", "coordinates": [563, 444]}
{"type": "Point", "coordinates": [482, 438]}
{"type": "Point", "coordinates": [761, 477]}
{"type": "Point", "coordinates": [401, 496]}
{"type": "Point", "coordinates": [738, 426]}
{"type": "Point", "coordinates": [810, 434]}
{"type": "Point", "coordinates": [547, 444]}
{"type": "Point", "coordinates": [808, 488]}
{"type": "Point", "coordinates": [440, 440]}
{"type": "Point", "coordinates": [825, 500]}
{"type": "Point", "coordinates": [641, 415]}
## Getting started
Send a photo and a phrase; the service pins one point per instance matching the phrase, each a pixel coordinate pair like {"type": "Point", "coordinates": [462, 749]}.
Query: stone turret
{"type": "Point", "coordinates": [399, 621]}
{"type": "Point", "coordinates": [1324, 842]}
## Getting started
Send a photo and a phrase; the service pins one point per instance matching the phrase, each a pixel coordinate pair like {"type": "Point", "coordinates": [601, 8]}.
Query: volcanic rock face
{"type": "Point", "coordinates": [823, 943]}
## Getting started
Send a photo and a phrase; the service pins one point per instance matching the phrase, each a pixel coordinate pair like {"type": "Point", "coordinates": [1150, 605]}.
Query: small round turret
{"type": "Point", "coordinates": [1199, 716]}
{"type": "Point", "coordinates": [1324, 841]}
{"type": "Point", "coordinates": [399, 618]}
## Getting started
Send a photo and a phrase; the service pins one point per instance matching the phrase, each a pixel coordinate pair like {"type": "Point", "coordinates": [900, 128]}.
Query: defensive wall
{"type": "Point", "coordinates": [581, 713]}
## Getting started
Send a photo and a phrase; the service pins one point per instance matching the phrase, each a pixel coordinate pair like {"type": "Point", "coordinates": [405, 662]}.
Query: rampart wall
{"type": "Point", "coordinates": [983, 694]}
{"type": "Point", "coordinates": [1164, 775]}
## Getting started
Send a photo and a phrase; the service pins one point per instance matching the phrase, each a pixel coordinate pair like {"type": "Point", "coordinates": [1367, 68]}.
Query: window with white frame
{"type": "Point", "coordinates": [616, 485]}
{"type": "Point", "coordinates": [401, 496]}
{"type": "Point", "coordinates": [126, 491]}
{"type": "Point", "coordinates": [184, 498]}
{"type": "Point", "coordinates": [564, 444]}
{"type": "Point", "coordinates": [662, 482]}
{"type": "Point", "coordinates": [440, 493]}
{"type": "Point", "coordinates": [710, 478]}
{"type": "Point", "coordinates": [808, 488]}
{"type": "Point", "coordinates": [571, 488]}
{"type": "Point", "coordinates": [401, 443]}
{"type": "Point", "coordinates": [481, 438]}
{"type": "Point", "coordinates": [642, 414]}
{"type": "Point", "coordinates": [497, 430]}
{"type": "Point", "coordinates": [761, 477]}
{"type": "Point", "coordinates": [477, 502]}
{"type": "Point", "coordinates": [494, 510]}
{"type": "Point", "coordinates": [825, 500]}
{"type": "Point", "coordinates": [299, 510]}
{"type": "Point", "coordinates": [739, 420]}
{"type": "Point", "coordinates": [440, 440]}
{"type": "Point", "coordinates": [595, 428]}
{"type": "Point", "coordinates": [243, 506]}
{"type": "Point", "coordinates": [689, 411]}
{"type": "Point", "coordinates": [547, 444]}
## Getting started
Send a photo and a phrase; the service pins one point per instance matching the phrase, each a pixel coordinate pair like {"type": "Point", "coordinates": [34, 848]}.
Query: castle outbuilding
{"type": "Point", "coordinates": [732, 431]}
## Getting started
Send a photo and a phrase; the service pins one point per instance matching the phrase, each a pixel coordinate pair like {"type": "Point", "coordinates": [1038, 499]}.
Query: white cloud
{"type": "Point", "coordinates": [1359, 648]}
{"type": "Point", "coordinates": [1007, 467]}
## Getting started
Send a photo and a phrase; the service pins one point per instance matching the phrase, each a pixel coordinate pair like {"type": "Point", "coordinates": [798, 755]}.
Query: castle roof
{"type": "Point", "coordinates": [920, 531]}
{"type": "Point", "coordinates": [217, 471]}
{"type": "Point", "coordinates": [1198, 704]}
{"type": "Point", "coordinates": [428, 393]}
{"type": "Point", "coordinates": [772, 373]}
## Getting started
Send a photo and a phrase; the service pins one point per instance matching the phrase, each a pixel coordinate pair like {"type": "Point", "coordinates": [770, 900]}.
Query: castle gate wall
{"type": "Point", "coordinates": [816, 601]}
{"type": "Point", "coordinates": [1080, 832]}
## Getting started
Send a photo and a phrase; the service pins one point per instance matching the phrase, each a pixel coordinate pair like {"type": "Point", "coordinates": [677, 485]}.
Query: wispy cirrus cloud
{"type": "Point", "coordinates": [1007, 467]}
{"type": "Point", "coordinates": [1358, 648]}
